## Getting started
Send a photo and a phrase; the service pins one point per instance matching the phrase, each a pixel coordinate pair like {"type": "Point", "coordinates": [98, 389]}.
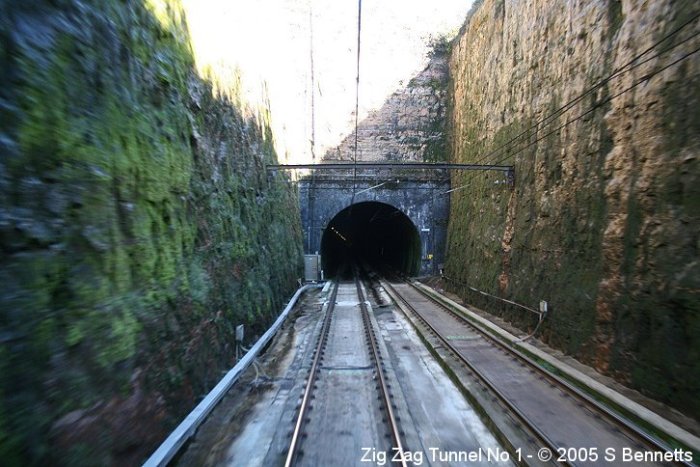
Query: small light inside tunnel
{"type": "Point", "coordinates": [339, 234]}
{"type": "Point", "coordinates": [381, 236]}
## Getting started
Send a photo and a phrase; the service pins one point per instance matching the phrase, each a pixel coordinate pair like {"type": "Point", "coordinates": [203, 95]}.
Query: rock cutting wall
{"type": "Point", "coordinates": [410, 125]}
{"type": "Point", "coordinates": [604, 219]}
{"type": "Point", "coordinates": [137, 227]}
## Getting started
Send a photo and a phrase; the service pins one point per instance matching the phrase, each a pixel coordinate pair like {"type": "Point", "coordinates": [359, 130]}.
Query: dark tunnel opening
{"type": "Point", "coordinates": [373, 232]}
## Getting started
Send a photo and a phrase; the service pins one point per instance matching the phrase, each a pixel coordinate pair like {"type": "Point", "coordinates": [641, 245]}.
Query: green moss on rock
{"type": "Point", "coordinates": [137, 227]}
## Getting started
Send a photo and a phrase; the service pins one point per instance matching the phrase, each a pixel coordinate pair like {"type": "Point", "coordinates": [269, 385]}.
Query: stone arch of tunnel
{"type": "Point", "coordinates": [374, 232]}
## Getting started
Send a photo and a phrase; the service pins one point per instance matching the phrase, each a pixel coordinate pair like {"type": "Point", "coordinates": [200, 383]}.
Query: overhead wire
{"type": "Point", "coordinates": [640, 81]}
{"type": "Point", "coordinates": [357, 98]}
{"type": "Point", "coordinates": [627, 67]}
{"type": "Point", "coordinates": [643, 79]}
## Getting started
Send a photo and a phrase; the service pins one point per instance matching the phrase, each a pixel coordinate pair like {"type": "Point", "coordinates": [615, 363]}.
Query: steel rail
{"type": "Point", "coordinates": [383, 387]}
{"type": "Point", "coordinates": [613, 417]}
{"type": "Point", "coordinates": [296, 435]}
{"type": "Point", "coordinates": [188, 427]}
{"type": "Point", "coordinates": [519, 415]}
{"type": "Point", "coordinates": [618, 421]}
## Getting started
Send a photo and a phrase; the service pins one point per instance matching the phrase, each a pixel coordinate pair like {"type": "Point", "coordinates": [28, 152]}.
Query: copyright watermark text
{"type": "Point", "coordinates": [380, 457]}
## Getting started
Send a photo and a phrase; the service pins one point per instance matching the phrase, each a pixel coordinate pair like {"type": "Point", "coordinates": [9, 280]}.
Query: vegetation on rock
{"type": "Point", "coordinates": [603, 222]}
{"type": "Point", "coordinates": [138, 226]}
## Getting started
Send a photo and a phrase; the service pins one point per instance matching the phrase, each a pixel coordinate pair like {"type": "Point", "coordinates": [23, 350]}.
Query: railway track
{"type": "Point", "coordinates": [568, 425]}
{"type": "Point", "coordinates": [306, 397]}
{"type": "Point", "coordinates": [336, 358]}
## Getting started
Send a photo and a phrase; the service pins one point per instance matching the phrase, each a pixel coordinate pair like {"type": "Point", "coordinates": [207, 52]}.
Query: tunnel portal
{"type": "Point", "coordinates": [375, 232]}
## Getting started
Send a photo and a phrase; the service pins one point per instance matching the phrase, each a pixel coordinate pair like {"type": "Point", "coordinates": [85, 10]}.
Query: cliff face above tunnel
{"type": "Point", "coordinates": [604, 219]}
{"type": "Point", "coordinates": [410, 125]}
{"type": "Point", "coordinates": [137, 228]}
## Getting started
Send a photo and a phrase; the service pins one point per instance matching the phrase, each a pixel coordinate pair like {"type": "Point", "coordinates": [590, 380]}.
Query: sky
{"type": "Point", "coordinates": [272, 43]}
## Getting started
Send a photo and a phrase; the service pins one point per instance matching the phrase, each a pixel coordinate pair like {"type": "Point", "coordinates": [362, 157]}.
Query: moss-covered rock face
{"type": "Point", "coordinates": [604, 219]}
{"type": "Point", "coordinates": [137, 228]}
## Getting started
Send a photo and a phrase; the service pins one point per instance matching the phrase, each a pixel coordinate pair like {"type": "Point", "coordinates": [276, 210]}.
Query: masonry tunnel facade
{"type": "Point", "coordinates": [374, 233]}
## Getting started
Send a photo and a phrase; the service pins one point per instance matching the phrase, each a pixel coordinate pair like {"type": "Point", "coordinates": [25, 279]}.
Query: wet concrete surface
{"type": "Point", "coordinates": [669, 413]}
{"type": "Point", "coordinates": [563, 419]}
{"type": "Point", "coordinates": [252, 427]}
{"type": "Point", "coordinates": [238, 430]}
{"type": "Point", "coordinates": [443, 423]}
{"type": "Point", "coordinates": [345, 419]}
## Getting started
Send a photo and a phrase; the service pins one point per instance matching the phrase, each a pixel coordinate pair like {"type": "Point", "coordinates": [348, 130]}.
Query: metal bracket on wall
{"type": "Point", "coordinates": [391, 165]}
{"type": "Point", "coordinates": [510, 176]}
